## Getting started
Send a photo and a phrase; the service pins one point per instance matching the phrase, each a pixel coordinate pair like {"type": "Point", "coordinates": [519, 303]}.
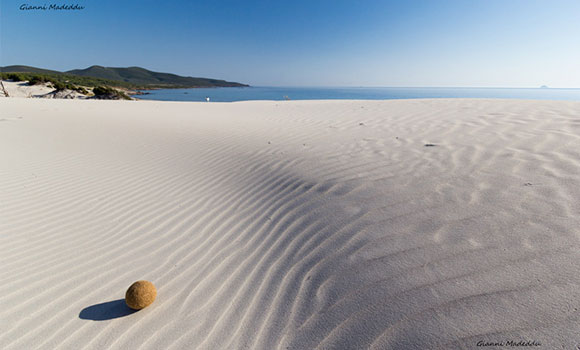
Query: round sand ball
{"type": "Point", "coordinates": [140, 295]}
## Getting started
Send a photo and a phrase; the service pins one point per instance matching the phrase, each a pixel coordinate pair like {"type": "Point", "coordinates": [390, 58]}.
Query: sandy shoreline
{"type": "Point", "coordinates": [290, 225]}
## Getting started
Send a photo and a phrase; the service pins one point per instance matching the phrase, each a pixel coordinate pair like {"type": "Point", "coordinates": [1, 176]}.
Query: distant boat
{"type": "Point", "coordinates": [544, 87]}
{"type": "Point", "coordinates": [207, 99]}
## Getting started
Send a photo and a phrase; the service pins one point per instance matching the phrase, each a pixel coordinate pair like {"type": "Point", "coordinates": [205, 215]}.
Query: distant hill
{"type": "Point", "coordinates": [134, 76]}
{"type": "Point", "coordinates": [142, 76]}
{"type": "Point", "coordinates": [27, 69]}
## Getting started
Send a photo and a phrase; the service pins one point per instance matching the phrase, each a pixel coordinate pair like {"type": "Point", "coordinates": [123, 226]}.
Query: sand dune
{"type": "Point", "coordinates": [22, 89]}
{"type": "Point", "coordinates": [290, 225]}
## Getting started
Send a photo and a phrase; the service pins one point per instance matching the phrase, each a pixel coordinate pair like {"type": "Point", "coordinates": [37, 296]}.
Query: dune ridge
{"type": "Point", "coordinates": [290, 225]}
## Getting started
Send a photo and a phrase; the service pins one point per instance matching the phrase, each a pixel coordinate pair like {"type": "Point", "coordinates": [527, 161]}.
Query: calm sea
{"type": "Point", "coordinates": [296, 93]}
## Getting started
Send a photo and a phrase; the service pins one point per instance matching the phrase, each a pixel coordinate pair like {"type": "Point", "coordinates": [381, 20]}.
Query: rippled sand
{"type": "Point", "coordinates": [412, 224]}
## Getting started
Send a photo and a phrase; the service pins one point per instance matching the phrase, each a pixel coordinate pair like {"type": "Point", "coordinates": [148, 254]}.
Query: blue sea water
{"type": "Point", "coordinates": [299, 93]}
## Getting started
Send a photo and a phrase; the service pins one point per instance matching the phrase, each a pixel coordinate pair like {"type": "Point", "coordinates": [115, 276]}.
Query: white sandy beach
{"type": "Point", "coordinates": [290, 225]}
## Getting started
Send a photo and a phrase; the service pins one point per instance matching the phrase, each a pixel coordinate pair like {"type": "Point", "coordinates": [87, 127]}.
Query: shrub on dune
{"type": "Point", "coordinates": [35, 80]}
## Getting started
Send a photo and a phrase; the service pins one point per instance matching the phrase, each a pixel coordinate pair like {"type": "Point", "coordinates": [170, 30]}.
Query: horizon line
{"type": "Point", "coordinates": [414, 87]}
{"type": "Point", "coordinates": [541, 86]}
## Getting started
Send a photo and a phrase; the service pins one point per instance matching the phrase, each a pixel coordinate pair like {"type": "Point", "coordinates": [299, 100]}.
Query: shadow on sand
{"type": "Point", "coordinates": [106, 311]}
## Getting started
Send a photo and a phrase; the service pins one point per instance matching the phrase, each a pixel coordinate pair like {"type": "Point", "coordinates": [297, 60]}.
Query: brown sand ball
{"type": "Point", "coordinates": [140, 295]}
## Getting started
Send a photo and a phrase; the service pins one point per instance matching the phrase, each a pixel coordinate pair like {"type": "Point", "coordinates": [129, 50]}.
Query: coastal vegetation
{"type": "Point", "coordinates": [107, 93]}
{"type": "Point", "coordinates": [107, 82]}
{"type": "Point", "coordinates": [134, 78]}
{"type": "Point", "coordinates": [65, 79]}
{"type": "Point", "coordinates": [59, 82]}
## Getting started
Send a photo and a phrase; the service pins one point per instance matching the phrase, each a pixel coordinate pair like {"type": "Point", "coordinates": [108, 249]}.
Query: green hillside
{"type": "Point", "coordinates": [27, 69]}
{"type": "Point", "coordinates": [142, 76]}
{"type": "Point", "coordinates": [132, 77]}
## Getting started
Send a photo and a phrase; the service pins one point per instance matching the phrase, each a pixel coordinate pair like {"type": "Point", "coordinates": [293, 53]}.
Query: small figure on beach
{"type": "Point", "coordinates": [207, 98]}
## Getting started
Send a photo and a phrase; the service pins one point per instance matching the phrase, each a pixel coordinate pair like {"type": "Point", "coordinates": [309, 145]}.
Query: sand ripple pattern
{"type": "Point", "coordinates": [290, 225]}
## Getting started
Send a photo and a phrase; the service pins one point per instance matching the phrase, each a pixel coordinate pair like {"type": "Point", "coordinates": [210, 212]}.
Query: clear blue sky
{"type": "Point", "coordinates": [496, 43]}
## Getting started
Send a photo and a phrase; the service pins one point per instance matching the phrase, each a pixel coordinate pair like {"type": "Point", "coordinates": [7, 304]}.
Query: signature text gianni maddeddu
{"type": "Point", "coordinates": [51, 7]}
